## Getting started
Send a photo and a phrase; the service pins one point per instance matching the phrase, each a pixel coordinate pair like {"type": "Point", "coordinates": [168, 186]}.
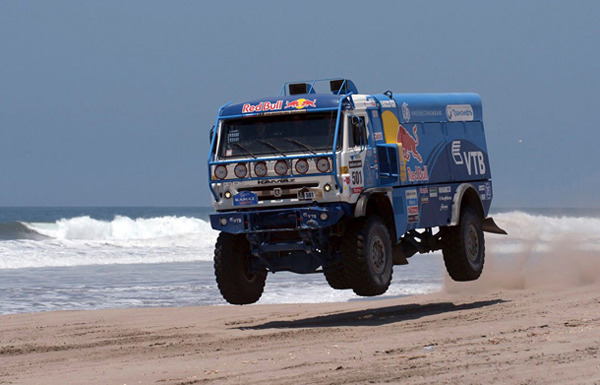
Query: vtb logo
{"type": "Point", "coordinates": [473, 160]}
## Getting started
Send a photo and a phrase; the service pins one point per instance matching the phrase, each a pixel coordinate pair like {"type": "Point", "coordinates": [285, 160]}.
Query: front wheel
{"type": "Point", "coordinates": [236, 283]}
{"type": "Point", "coordinates": [463, 247]}
{"type": "Point", "coordinates": [367, 253]}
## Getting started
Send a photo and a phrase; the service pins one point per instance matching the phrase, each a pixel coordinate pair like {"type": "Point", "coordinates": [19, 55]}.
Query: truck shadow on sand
{"type": "Point", "coordinates": [375, 316]}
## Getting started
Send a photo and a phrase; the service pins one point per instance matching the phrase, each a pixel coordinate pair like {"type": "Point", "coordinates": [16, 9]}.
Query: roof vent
{"type": "Point", "coordinates": [301, 88]}
{"type": "Point", "coordinates": [342, 86]}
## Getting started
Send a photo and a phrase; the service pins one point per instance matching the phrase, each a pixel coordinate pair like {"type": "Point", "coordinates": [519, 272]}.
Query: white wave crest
{"type": "Point", "coordinates": [120, 228]}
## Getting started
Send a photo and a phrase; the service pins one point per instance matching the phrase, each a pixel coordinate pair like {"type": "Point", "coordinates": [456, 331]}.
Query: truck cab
{"type": "Point", "coordinates": [347, 184]}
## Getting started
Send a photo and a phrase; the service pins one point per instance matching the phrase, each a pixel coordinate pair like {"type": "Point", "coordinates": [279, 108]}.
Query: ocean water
{"type": "Point", "coordinates": [95, 258]}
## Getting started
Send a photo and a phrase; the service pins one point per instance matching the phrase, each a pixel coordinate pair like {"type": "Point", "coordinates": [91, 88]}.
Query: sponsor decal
{"type": "Point", "coordinates": [488, 191]}
{"type": "Point", "coordinates": [418, 174]}
{"type": "Point", "coordinates": [343, 169]}
{"type": "Point", "coordinates": [378, 136]}
{"type": "Point", "coordinates": [355, 164]}
{"type": "Point", "coordinates": [424, 194]}
{"type": "Point", "coordinates": [482, 197]}
{"type": "Point", "coordinates": [445, 198]}
{"type": "Point", "coordinates": [445, 190]}
{"type": "Point", "coordinates": [443, 207]}
{"type": "Point", "coordinates": [235, 220]}
{"type": "Point", "coordinates": [472, 160]}
{"type": "Point", "coordinates": [481, 187]}
{"type": "Point", "coordinates": [409, 144]}
{"type": "Point", "coordinates": [433, 192]}
{"type": "Point", "coordinates": [427, 113]}
{"type": "Point", "coordinates": [347, 180]}
{"type": "Point", "coordinates": [405, 112]}
{"type": "Point", "coordinates": [262, 107]}
{"type": "Point", "coordinates": [459, 112]}
{"type": "Point", "coordinates": [388, 104]}
{"type": "Point", "coordinates": [412, 206]}
{"type": "Point", "coordinates": [245, 198]}
{"type": "Point", "coordinates": [301, 103]}
{"type": "Point", "coordinates": [271, 181]}
{"type": "Point", "coordinates": [356, 190]}
{"type": "Point", "coordinates": [411, 194]}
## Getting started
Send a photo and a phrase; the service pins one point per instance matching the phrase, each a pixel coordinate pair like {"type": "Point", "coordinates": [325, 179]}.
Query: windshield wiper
{"type": "Point", "coordinates": [298, 143]}
{"type": "Point", "coordinates": [243, 148]}
{"type": "Point", "coordinates": [274, 147]}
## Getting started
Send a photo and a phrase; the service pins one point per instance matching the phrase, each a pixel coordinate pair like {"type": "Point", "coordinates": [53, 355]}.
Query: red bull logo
{"type": "Point", "coordinates": [301, 103]}
{"type": "Point", "coordinates": [262, 107]}
{"type": "Point", "coordinates": [409, 144]}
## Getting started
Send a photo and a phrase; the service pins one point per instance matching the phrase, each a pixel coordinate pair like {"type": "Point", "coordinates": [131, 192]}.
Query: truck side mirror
{"type": "Point", "coordinates": [211, 132]}
{"type": "Point", "coordinates": [359, 134]}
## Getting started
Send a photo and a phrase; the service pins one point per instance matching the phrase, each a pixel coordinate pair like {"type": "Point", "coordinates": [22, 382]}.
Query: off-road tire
{"type": "Point", "coordinates": [367, 253]}
{"type": "Point", "coordinates": [336, 277]}
{"type": "Point", "coordinates": [232, 260]}
{"type": "Point", "coordinates": [463, 246]}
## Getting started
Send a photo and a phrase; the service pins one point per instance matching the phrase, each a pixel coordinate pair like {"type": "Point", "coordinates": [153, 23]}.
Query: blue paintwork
{"type": "Point", "coordinates": [443, 147]}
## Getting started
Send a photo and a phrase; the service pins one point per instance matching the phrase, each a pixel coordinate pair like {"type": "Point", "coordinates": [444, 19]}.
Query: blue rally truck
{"type": "Point", "coordinates": [347, 184]}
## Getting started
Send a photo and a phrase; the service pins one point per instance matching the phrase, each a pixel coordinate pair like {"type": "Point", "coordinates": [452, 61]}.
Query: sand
{"type": "Point", "coordinates": [536, 335]}
{"type": "Point", "coordinates": [530, 319]}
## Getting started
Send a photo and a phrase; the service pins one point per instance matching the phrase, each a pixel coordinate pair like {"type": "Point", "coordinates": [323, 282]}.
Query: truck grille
{"type": "Point", "coordinates": [271, 192]}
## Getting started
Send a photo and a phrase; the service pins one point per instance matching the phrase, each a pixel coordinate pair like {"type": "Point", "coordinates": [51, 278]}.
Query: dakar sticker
{"type": "Point", "coordinates": [355, 164]}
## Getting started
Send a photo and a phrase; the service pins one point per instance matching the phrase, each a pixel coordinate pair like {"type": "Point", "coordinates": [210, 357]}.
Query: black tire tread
{"type": "Point", "coordinates": [230, 263]}
{"type": "Point", "coordinates": [453, 251]}
{"type": "Point", "coordinates": [353, 249]}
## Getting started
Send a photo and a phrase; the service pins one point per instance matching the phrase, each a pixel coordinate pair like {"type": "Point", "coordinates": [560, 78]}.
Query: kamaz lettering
{"type": "Point", "coordinates": [345, 189]}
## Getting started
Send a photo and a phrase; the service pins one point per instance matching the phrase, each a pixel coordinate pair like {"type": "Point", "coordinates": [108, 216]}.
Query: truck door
{"type": "Point", "coordinates": [361, 159]}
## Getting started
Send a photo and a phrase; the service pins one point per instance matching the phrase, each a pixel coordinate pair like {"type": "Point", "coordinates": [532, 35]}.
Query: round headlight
{"type": "Point", "coordinates": [228, 194]}
{"type": "Point", "coordinates": [240, 170]}
{"type": "Point", "coordinates": [323, 164]}
{"type": "Point", "coordinates": [327, 187]}
{"type": "Point", "coordinates": [221, 172]}
{"type": "Point", "coordinates": [302, 166]}
{"type": "Point", "coordinates": [260, 169]}
{"type": "Point", "coordinates": [281, 167]}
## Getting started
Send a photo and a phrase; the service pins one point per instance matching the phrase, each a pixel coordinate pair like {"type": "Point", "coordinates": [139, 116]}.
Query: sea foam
{"type": "Point", "coordinates": [86, 241]}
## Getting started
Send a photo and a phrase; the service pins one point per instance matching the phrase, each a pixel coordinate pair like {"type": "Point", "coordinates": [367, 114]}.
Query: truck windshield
{"type": "Point", "coordinates": [278, 134]}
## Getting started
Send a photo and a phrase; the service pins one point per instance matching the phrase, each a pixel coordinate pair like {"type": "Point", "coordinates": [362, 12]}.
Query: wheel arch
{"type": "Point", "coordinates": [377, 201]}
{"type": "Point", "coordinates": [465, 194]}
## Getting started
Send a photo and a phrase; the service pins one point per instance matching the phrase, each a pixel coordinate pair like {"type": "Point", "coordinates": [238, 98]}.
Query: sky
{"type": "Point", "coordinates": [109, 103]}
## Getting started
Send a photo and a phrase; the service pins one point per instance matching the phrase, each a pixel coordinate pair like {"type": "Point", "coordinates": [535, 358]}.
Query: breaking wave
{"type": "Point", "coordinates": [123, 240]}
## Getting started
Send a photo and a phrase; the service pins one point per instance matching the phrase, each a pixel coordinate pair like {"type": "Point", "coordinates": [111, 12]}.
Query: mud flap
{"type": "Point", "coordinates": [490, 226]}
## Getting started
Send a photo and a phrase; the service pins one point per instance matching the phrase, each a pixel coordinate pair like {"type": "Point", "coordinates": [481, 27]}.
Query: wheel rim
{"type": "Point", "coordinates": [377, 255]}
{"type": "Point", "coordinates": [472, 243]}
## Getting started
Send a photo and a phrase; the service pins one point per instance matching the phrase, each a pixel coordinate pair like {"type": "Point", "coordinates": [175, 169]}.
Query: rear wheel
{"type": "Point", "coordinates": [236, 283]}
{"type": "Point", "coordinates": [367, 252]}
{"type": "Point", "coordinates": [463, 247]}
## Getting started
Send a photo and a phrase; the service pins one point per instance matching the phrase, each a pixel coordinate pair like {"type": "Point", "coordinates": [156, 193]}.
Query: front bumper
{"type": "Point", "coordinates": [288, 219]}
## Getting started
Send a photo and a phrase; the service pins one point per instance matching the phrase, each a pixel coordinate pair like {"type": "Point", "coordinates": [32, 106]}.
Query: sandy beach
{"type": "Point", "coordinates": [468, 334]}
